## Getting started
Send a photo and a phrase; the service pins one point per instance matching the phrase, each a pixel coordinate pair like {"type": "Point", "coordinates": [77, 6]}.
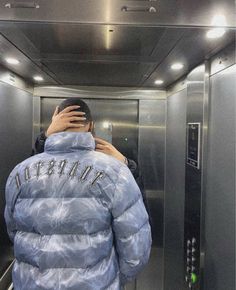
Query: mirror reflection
{"type": "Point", "coordinates": [162, 101]}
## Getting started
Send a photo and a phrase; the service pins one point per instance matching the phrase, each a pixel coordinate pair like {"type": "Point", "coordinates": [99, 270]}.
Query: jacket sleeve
{"type": "Point", "coordinates": [130, 226]}
{"type": "Point", "coordinates": [133, 167]}
{"type": "Point", "coordinates": [39, 143]}
{"type": "Point", "coordinates": [11, 194]}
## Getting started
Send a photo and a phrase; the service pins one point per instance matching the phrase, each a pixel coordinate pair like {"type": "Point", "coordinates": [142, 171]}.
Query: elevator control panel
{"type": "Point", "coordinates": [192, 215]}
{"type": "Point", "coordinates": [191, 275]}
{"type": "Point", "coordinates": [194, 139]}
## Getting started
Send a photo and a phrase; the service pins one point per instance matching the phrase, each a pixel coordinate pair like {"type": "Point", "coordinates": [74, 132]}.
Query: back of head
{"type": "Point", "coordinates": [77, 102]}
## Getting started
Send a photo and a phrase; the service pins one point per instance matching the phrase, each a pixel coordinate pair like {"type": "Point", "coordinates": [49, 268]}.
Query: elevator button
{"type": "Point", "coordinates": [188, 243]}
{"type": "Point", "coordinates": [190, 285]}
{"type": "Point", "coordinates": [193, 250]}
{"type": "Point", "coordinates": [188, 252]}
{"type": "Point", "coordinates": [186, 278]}
{"type": "Point", "coordinates": [193, 278]}
{"type": "Point", "coordinates": [194, 241]}
{"type": "Point", "coordinates": [188, 269]}
{"type": "Point", "coordinates": [188, 261]}
{"type": "Point", "coordinates": [193, 269]}
{"type": "Point", "coordinates": [193, 259]}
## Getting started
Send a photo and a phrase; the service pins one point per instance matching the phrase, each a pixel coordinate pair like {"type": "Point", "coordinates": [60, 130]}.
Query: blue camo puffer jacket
{"type": "Point", "coordinates": [76, 217]}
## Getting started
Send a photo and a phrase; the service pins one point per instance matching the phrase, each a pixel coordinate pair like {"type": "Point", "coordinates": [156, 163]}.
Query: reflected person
{"type": "Point", "coordinates": [76, 216]}
{"type": "Point", "coordinates": [65, 119]}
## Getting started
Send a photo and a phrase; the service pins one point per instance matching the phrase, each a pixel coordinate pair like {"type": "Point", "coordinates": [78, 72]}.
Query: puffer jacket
{"type": "Point", "coordinates": [76, 217]}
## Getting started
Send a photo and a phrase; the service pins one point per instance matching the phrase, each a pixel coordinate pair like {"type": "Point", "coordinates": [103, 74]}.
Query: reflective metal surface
{"type": "Point", "coordinates": [175, 190]}
{"type": "Point", "coordinates": [168, 12]}
{"type": "Point", "coordinates": [220, 196]}
{"type": "Point", "coordinates": [152, 119]}
{"type": "Point", "coordinates": [193, 182]}
{"type": "Point", "coordinates": [100, 92]}
{"type": "Point", "coordinates": [26, 68]}
{"type": "Point", "coordinates": [224, 58]}
{"type": "Point", "coordinates": [16, 138]}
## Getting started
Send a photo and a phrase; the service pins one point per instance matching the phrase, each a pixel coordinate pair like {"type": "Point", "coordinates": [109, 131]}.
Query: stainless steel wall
{"type": "Point", "coordinates": [183, 183]}
{"type": "Point", "coordinates": [152, 120]}
{"type": "Point", "coordinates": [15, 146]}
{"type": "Point", "coordinates": [220, 196]}
{"type": "Point", "coordinates": [175, 191]}
{"type": "Point", "coordinates": [196, 110]}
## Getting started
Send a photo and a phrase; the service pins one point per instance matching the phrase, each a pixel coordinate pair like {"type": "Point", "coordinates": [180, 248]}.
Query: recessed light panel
{"type": "Point", "coordinates": [215, 33]}
{"type": "Point", "coordinates": [13, 61]}
{"type": "Point", "coordinates": [177, 66]}
{"type": "Point", "coordinates": [38, 78]}
{"type": "Point", "coordinates": [159, 82]}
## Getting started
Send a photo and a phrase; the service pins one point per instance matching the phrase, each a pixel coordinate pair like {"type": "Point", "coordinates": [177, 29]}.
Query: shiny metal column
{"type": "Point", "coordinates": [152, 119]}
{"type": "Point", "coordinates": [194, 177]}
{"type": "Point", "coordinates": [220, 194]}
{"type": "Point", "coordinates": [15, 146]}
{"type": "Point", "coordinates": [175, 190]}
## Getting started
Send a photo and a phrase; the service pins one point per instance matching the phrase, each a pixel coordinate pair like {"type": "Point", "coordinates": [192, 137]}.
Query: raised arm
{"type": "Point", "coordinates": [60, 122]}
{"type": "Point", "coordinates": [130, 226]}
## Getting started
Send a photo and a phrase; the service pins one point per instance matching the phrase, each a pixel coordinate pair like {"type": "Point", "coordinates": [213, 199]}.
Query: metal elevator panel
{"type": "Point", "coordinates": [175, 191]}
{"type": "Point", "coordinates": [220, 195]}
{"type": "Point", "coordinates": [122, 115]}
{"type": "Point", "coordinates": [16, 145]}
{"type": "Point", "coordinates": [193, 180]}
{"type": "Point", "coordinates": [168, 12]}
{"type": "Point", "coordinates": [152, 120]}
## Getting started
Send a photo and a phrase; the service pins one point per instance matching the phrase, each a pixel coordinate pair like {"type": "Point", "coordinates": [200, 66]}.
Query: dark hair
{"type": "Point", "coordinates": [77, 102]}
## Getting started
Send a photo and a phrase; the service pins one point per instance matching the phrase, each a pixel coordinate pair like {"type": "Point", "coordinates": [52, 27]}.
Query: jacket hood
{"type": "Point", "coordinates": [70, 142]}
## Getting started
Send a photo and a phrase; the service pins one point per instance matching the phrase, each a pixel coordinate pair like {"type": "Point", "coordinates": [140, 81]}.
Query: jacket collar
{"type": "Point", "coordinates": [69, 142]}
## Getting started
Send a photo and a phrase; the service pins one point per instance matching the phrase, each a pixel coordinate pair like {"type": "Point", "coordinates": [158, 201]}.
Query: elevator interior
{"type": "Point", "coordinates": [181, 131]}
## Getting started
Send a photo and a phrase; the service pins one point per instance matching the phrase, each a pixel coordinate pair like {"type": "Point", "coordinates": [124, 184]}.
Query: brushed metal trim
{"type": "Point", "coordinates": [99, 92]}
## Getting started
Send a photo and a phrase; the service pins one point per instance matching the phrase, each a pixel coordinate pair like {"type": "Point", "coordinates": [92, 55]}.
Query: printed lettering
{"type": "Point", "coordinates": [51, 167]}
{"type": "Point", "coordinates": [62, 166]}
{"type": "Point", "coordinates": [86, 172]}
{"type": "Point", "coordinates": [27, 174]}
{"type": "Point", "coordinates": [98, 175]}
{"type": "Point", "coordinates": [72, 172]}
{"type": "Point", "coordinates": [38, 166]}
{"type": "Point", "coordinates": [18, 183]}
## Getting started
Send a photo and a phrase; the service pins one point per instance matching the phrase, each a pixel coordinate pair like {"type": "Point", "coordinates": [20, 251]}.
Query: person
{"type": "Point", "coordinates": [64, 119]}
{"type": "Point", "coordinates": [76, 216]}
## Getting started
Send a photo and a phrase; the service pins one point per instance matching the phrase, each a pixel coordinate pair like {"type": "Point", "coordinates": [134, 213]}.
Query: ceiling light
{"type": "Point", "coordinates": [38, 78]}
{"type": "Point", "coordinates": [215, 33]}
{"type": "Point", "coordinates": [219, 20]}
{"type": "Point", "coordinates": [159, 82]}
{"type": "Point", "coordinates": [13, 61]}
{"type": "Point", "coordinates": [177, 66]}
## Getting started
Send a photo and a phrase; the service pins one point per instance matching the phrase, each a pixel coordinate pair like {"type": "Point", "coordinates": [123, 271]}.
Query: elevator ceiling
{"type": "Point", "coordinates": [111, 43]}
{"type": "Point", "coordinates": [105, 55]}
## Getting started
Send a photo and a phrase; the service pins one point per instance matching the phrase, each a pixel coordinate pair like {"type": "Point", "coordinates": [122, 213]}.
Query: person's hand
{"type": "Point", "coordinates": [107, 148]}
{"type": "Point", "coordinates": [63, 120]}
